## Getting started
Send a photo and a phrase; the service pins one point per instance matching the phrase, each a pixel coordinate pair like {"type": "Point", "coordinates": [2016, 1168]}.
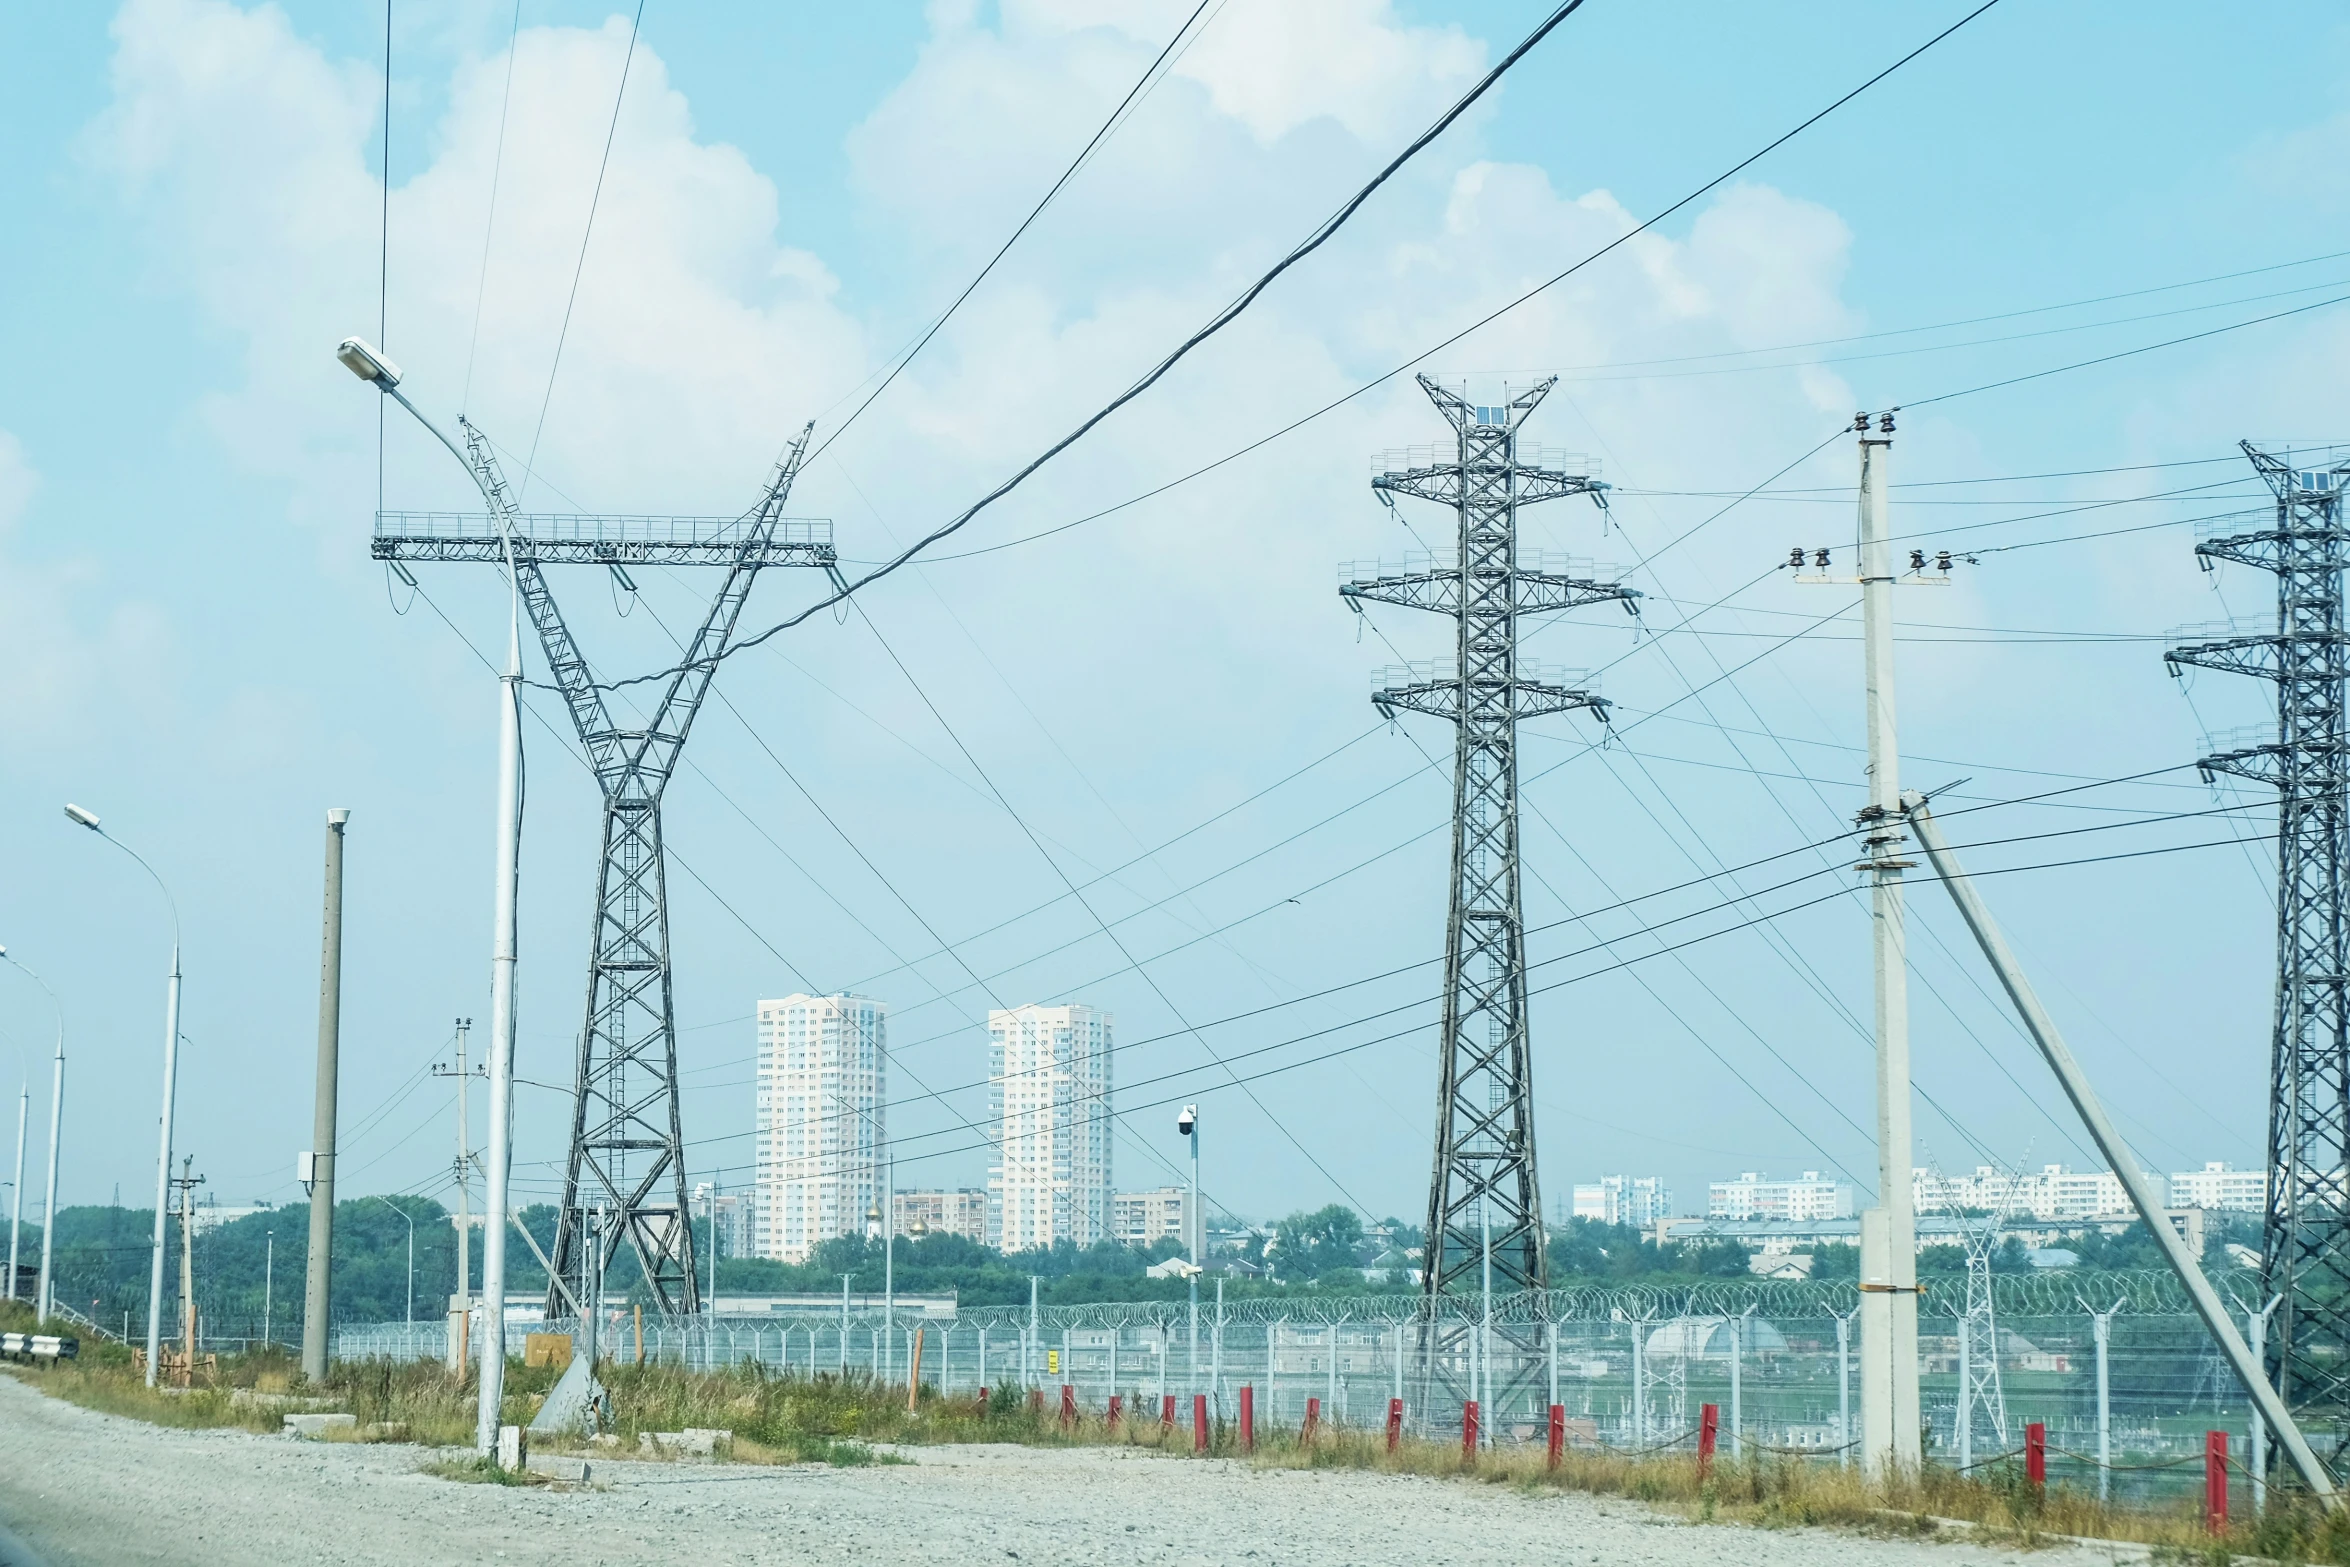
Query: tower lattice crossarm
{"type": "Point", "coordinates": [1484, 1205]}
{"type": "Point", "coordinates": [2305, 1237]}
{"type": "Point", "coordinates": [627, 1152]}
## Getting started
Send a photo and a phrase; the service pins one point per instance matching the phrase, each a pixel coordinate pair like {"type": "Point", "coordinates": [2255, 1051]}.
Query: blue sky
{"type": "Point", "coordinates": [200, 649]}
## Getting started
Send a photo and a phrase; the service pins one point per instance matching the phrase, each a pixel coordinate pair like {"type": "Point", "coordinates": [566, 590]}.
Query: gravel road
{"type": "Point", "coordinates": [78, 1487]}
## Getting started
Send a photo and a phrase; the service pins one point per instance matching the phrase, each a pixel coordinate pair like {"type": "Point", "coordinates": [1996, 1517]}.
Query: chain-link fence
{"type": "Point", "coordinates": [1629, 1367]}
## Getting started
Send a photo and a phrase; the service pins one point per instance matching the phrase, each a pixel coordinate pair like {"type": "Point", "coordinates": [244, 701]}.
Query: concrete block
{"type": "Point", "coordinates": [317, 1427]}
{"type": "Point", "coordinates": [556, 1466]}
{"type": "Point", "coordinates": [513, 1448]}
{"type": "Point", "coordinates": [694, 1443]}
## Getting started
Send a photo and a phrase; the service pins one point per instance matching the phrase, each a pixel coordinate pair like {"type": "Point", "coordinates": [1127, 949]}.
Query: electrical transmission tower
{"type": "Point", "coordinates": [1484, 1202]}
{"type": "Point", "coordinates": [1982, 1399]}
{"type": "Point", "coordinates": [2305, 1240]}
{"type": "Point", "coordinates": [627, 1146]}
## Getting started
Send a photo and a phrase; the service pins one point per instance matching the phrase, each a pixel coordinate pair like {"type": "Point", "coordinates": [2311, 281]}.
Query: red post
{"type": "Point", "coordinates": [1248, 1417]}
{"type": "Point", "coordinates": [1394, 1423]}
{"type": "Point", "coordinates": [1558, 1433]}
{"type": "Point", "coordinates": [1313, 1419]}
{"type": "Point", "coordinates": [1199, 1422]}
{"type": "Point", "coordinates": [983, 1403]}
{"type": "Point", "coordinates": [1709, 1423]}
{"type": "Point", "coordinates": [2036, 1454]}
{"type": "Point", "coordinates": [1469, 1432]}
{"type": "Point", "coordinates": [1117, 1404]}
{"type": "Point", "coordinates": [1068, 1406]}
{"type": "Point", "coordinates": [1167, 1412]}
{"type": "Point", "coordinates": [2215, 1481]}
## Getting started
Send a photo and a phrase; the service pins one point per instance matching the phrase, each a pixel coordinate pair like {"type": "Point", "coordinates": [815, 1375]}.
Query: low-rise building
{"type": "Point", "coordinates": [1144, 1219]}
{"type": "Point", "coordinates": [1751, 1196]}
{"type": "Point", "coordinates": [2218, 1186]}
{"type": "Point", "coordinates": [962, 1211]}
{"type": "Point", "coordinates": [1636, 1200]}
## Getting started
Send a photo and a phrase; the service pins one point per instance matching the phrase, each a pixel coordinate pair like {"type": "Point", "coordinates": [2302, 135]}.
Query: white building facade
{"type": "Point", "coordinates": [2053, 1193]}
{"type": "Point", "coordinates": [1147, 1218]}
{"type": "Point", "coordinates": [1636, 1200]}
{"type": "Point", "coordinates": [1811, 1197]}
{"type": "Point", "coordinates": [2217, 1186]}
{"type": "Point", "coordinates": [962, 1211]}
{"type": "Point", "coordinates": [823, 1082]}
{"type": "Point", "coordinates": [1048, 1091]}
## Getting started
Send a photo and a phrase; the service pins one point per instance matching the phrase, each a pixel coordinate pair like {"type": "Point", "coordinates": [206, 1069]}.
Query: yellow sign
{"type": "Point", "coordinates": [1052, 1362]}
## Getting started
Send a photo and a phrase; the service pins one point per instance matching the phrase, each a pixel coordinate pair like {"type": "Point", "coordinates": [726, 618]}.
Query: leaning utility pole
{"type": "Point", "coordinates": [1484, 1182]}
{"type": "Point", "coordinates": [318, 1284]}
{"type": "Point", "coordinates": [2305, 1235]}
{"type": "Point", "coordinates": [627, 1151]}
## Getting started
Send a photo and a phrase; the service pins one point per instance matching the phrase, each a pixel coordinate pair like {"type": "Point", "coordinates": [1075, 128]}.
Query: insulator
{"type": "Point", "coordinates": [1885, 423]}
{"type": "Point", "coordinates": [1942, 560]}
{"type": "Point", "coordinates": [1819, 558]}
{"type": "Point", "coordinates": [1795, 556]}
{"type": "Point", "coordinates": [1917, 560]}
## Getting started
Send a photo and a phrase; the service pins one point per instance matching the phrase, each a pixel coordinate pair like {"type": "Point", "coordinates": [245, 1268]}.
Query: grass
{"type": "Point", "coordinates": [791, 1418]}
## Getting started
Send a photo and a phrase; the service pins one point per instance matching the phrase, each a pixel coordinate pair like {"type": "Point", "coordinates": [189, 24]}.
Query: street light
{"type": "Point", "coordinates": [1187, 1125]}
{"type": "Point", "coordinates": [44, 1300]}
{"type": "Point", "coordinates": [171, 1058]}
{"type": "Point", "coordinates": [372, 367]}
{"type": "Point", "coordinates": [403, 1213]}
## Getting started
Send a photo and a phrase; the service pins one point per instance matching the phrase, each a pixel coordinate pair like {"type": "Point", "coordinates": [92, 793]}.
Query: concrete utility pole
{"type": "Point", "coordinates": [318, 1288]}
{"type": "Point", "coordinates": [1888, 1232]}
{"type": "Point", "coordinates": [24, 1103]}
{"type": "Point", "coordinates": [43, 1297]}
{"type": "Point", "coordinates": [268, 1279]}
{"type": "Point", "coordinates": [1187, 1125]}
{"type": "Point", "coordinates": [461, 1298]}
{"type": "Point", "coordinates": [187, 1184]}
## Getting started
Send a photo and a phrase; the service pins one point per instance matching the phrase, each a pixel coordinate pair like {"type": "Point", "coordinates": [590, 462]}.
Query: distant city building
{"type": "Point", "coordinates": [1048, 1091]}
{"type": "Point", "coordinates": [2051, 1193]}
{"type": "Point", "coordinates": [2217, 1186]}
{"type": "Point", "coordinates": [1637, 1200]}
{"type": "Point", "coordinates": [1812, 1196]}
{"type": "Point", "coordinates": [823, 1083]}
{"type": "Point", "coordinates": [960, 1212]}
{"type": "Point", "coordinates": [737, 1222]}
{"type": "Point", "coordinates": [1147, 1218]}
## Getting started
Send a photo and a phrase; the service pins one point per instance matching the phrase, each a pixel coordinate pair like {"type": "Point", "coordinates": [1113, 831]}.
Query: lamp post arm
{"type": "Point", "coordinates": [169, 901]}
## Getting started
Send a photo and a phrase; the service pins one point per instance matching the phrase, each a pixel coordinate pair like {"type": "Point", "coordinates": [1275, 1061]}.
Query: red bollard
{"type": "Point", "coordinates": [1469, 1432]}
{"type": "Point", "coordinates": [1199, 1422]}
{"type": "Point", "coordinates": [2036, 1454]}
{"type": "Point", "coordinates": [1248, 1417]}
{"type": "Point", "coordinates": [2215, 1481]}
{"type": "Point", "coordinates": [1167, 1413]}
{"type": "Point", "coordinates": [1068, 1406]}
{"type": "Point", "coordinates": [1709, 1423]}
{"type": "Point", "coordinates": [1313, 1419]}
{"type": "Point", "coordinates": [983, 1403]}
{"type": "Point", "coordinates": [1558, 1433]}
{"type": "Point", "coordinates": [1116, 1405]}
{"type": "Point", "coordinates": [1394, 1423]}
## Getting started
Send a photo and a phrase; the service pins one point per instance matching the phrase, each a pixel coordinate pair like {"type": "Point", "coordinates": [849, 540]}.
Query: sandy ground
{"type": "Point", "coordinates": [78, 1487]}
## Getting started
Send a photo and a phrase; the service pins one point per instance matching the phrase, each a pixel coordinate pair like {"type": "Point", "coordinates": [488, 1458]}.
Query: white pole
{"type": "Point", "coordinates": [171, 1066]}
{"type": "Point", "coordinates": [48, 1285]}
{"type": "Point", "coordinates": [2101, 1324]}
{"type": "Point", "coordinates": [506, 890]}
{"type": "Point", "coordinates": [1737, 1378]}
{"type": "Point", "coordinates": [1844, 1390]}
{"type": "Point", "coordinates": [1483, 1381]}
{"type": "Point", "coordinates": [268, 1279]}
{"type": "Point", "coordinates": [464, 1174]}
{"type": "Point", "coordinates": [1215, 1351]}
{"type": "Point", "coordinates": [24, 1105]}
{"type": "Point", "coordinates": [2257, 1449]}
{"type": "Point", "coordinates": [844, 1327]}
{"type": "Point", "coordinates": [1639, 1387]}
{"type": "Point", "coordinates": [1889, 1302]}
{"type": "Point", "coordinates": [1192, 1220]}
{"type": "Point", "coordinates": [1551, 1335]}
{"type": "Point", "coordinates": [1966, 1416]}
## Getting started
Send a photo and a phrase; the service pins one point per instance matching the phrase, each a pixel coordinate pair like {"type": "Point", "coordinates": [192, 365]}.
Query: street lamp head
{"type": "Point", "coordinates": [368, 365]}
{"type": "Point", "coordinates": [87, 819]}
{"type": "Point", "coordinates": [1187, 1120]}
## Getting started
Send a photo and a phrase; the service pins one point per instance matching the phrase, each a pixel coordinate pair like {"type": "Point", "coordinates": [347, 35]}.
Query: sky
{"type": "Point", "coordinates": [1165, 703]}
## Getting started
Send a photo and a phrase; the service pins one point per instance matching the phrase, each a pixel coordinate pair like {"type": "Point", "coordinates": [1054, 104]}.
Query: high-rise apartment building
{"type": "Point", "coordinates": [960, 1212]}
{"type": "Point", "coordinates": [1146, 1218]}
{"type": "Point", "coordinates": [1637, 1200]}
{"type": "Point", "coordinates": [1048, 1093]}
{"type": "Point", "coordinates": [1814, 1196]}
{"type": "Point", "coordinates": [822, 1121]}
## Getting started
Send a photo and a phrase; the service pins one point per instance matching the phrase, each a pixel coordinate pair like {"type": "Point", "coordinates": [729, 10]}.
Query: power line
{"type": "Point", "coordinates": [489, 222]}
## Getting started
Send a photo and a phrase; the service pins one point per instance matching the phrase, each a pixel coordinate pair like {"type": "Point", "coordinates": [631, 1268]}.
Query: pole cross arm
{"type": "Point", "coordinates": [567, 540]}
{"type": "Point", "coordinates": [1442, 696]}
{"type": "Point", "coordinates": [2259, 655]}
{"type": "Point", "coordinates": [1536, 592]}
{"type": "Point", "coordinates": [2272, 763]}
{"type": "Point", "coordinates": [2266, 549]}
{"type": "Point", "coordinates": [2116, 1153]}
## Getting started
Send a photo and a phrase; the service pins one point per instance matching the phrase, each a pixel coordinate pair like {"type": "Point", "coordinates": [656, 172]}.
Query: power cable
{"type": "Point", "coordinates": [579, 269]}
{"type": "Point", "coordinates": [490, 218]}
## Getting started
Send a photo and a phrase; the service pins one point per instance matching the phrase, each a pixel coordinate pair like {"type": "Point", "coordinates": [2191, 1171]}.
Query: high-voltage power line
{"type": "Point", "coordinates": [2305, 1235]}
{"type": "Point", "coordinates": [1484, 1201]}
{"type": "Point", "coordinates": [627, 1154]}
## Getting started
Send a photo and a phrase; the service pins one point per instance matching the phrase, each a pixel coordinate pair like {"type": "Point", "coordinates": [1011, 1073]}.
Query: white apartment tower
{"type": "Point", "coordinates": [822, 1121]}
{"type": "Point", "coordinates": [1048, 1093]}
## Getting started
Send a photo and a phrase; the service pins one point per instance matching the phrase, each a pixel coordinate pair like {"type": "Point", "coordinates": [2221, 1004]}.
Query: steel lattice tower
{"type": "Point", "coordinates": [627, 1144]}
{"type": "Point", "coordinates": [2305, 1238]}
{"type": "Point", "coordinates": [1484, 1199]}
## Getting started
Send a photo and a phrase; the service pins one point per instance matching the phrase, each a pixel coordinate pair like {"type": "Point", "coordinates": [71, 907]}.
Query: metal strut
{"type": "Point", "coordinates": [627, 1153]}
{"type": "Point", "coordinates": [1484, 1200]}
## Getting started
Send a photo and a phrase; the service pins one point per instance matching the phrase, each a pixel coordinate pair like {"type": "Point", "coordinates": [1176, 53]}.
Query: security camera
{"type": "Point", "coordinates": [1187, 1120]}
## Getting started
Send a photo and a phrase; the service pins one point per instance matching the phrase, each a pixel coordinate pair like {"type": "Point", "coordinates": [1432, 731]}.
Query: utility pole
{"type": "Point", "coordinates": [461, 1300]}
{"type": "Point", "coordinates": [1890, 1441]}
{"type": "Point", "coordinates": [713, 1246]}
{"type": "Point", "coordinates": [24, 1105]}
{"type": "Point", "coordinates": [318, 1290]}
{"type": "Point", "coordinates": [268, 1279]}
{"type": "Point", "coordinates": [187, 1182]}
{"type": "Point", "coordinates": [2305, 1232]}
{"type": "Point", "coordinates": [44, 1300]}
{"type": "Point", "coordinates": [1485, 1156]}
{"type": "Point", "coordinates": [1188, 1125]}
